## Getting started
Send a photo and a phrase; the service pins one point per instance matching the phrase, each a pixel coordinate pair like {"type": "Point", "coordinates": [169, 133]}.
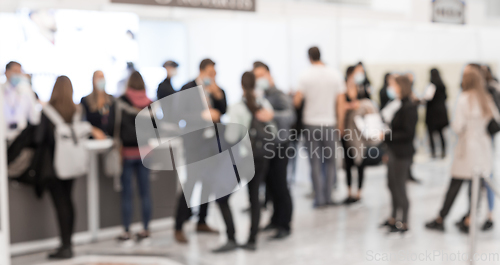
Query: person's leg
{"type": "Point", "coordinates": [361, 176]}
{"type": "Point", "coordinates": [443, 143]}
{"type": "Point", "coordinates": [278, 187]}
{"type": "Point", "coordinates": [328, 154]}
{"type": "Point", "coordinates": [183, 212]}
{"type": "Point", "coordinates": [127, 193]}
{"type": "Point", "coordinates": [431, 141]}
{"type": "Point", "coordinates": [61, 197]}
{"type": "Point", "coordinates": [202, 214]}
{"type": "Point", "coordinates": [68, 190]}
{"type": "Point", "coordinates": [313, 149]}
{"type": "Point", "coordinates": [451, 195]}
{"type": "Point", "coordinates": [261, 168]}
{"type": "Point", "coordinates": [143, 184]}
{"type": "Point", "coordinates": [391, 183]}
{"type": "Point", "coordinates": [227, 216]}
{"type": "Point", "coordinates": [491, 199]}
{"type": "Point", "coordinates": [349, 162]}
{"type": "Point", "coordinates": [401, 175]}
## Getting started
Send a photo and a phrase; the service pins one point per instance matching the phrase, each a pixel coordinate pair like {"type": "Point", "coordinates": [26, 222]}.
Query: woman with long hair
{"type": "Point", "coordinates": [97, 104]}
{"type": "Point", "coordinates": [473, 153]}
{"type": "Point", "coordinates": [400, 151]}
{"type": "Point", "coordinates": [436, 117]}
{"type": "Point", "coordinates": [134, 98]}
{"type": "Point", "coordinates": [383, 96]}
{"type": "Point", "coordinates": [244, 112]}
{"type": "Point", "coordinates": [60, 190]}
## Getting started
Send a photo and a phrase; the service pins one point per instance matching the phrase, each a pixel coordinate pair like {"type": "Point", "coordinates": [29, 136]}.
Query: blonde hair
{"type": "Point", "coordinates": [473, 81]}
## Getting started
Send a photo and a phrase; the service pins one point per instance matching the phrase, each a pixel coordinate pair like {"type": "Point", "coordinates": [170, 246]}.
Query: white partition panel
{"type": "Point", "coordinates": [4, 204]}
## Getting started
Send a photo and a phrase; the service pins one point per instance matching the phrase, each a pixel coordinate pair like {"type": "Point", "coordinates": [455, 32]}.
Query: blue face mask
{"type": "Point", "coordinates": [262, 83]}
{"type": "Point", "coordinates": [207, 81]}
{"type": "Point", "coordinates": [15, 80]}
{"type": "Point", "coordinates": [391, 93]}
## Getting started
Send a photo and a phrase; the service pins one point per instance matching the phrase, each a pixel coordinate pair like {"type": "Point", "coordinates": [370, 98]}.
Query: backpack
{"type": "Point", "coordinates": [71, 157]}
{"type": "Point", "coordinates": [495, 95]}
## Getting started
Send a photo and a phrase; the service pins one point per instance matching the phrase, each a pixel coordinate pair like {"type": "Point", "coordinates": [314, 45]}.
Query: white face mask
{"type": "Point", "coordinates": [100, 84]}
{"type": "Point", "coordinates": [262, 83]}
{"type": "Point", "coordinates": [359, 78]}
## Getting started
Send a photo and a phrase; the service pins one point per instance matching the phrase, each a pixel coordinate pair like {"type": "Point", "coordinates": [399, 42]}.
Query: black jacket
{"type": "Point", "coordinates": [99, 118]}
{"type": "Point", "coordinates": [436, 116]}
{"type": "Point", "coordinates": [384, 98]}
{"type": "Point", "coordinates": [127, 125]}
{"type": "Point", "coordinates": [165, 89]}
{"type": "Point", "coordinates": [218, 104]}
{"type": "Point", "coordinates": [400, 139]}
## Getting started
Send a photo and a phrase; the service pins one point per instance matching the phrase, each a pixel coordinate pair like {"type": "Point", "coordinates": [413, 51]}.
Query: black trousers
{"type": "Point", "coordinates": [452, 193]}
{"type": "Point", "coordinates": [431, 140]}
{"type": "Point", "coordinates": [277, 187]}
{"type": "Point", "coordinates": [349, 163]}
{"type": "Point", "coordinates": [184, 213]}
{"type": "Point", "coordinates": [61, 192]}
{"type": "Point", "coordinates": [261, 169]}
{"type": "Point", "coordinates": [398, 172]}
{"type": "Point", "coordinates": [227, 216]}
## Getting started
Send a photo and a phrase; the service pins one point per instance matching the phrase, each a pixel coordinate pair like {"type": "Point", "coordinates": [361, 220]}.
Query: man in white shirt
{"type": "Point", "coordinates": [320, 87]}
{"type": "Point", "coordinates": [19, 102]}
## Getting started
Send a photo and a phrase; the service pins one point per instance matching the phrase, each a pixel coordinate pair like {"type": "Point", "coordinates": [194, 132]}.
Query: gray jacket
{"type": "Point", "coordinates": [284, 113]}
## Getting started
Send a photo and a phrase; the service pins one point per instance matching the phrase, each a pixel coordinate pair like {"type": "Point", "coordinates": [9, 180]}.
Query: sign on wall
{"type": "Point", "coordinates": [240, 5]}
{"type": "Point", "coordinates": [448, 11]}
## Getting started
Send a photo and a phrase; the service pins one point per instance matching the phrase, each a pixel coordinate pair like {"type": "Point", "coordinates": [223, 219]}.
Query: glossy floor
{"type": "Point", "coordinates": [335, 235]}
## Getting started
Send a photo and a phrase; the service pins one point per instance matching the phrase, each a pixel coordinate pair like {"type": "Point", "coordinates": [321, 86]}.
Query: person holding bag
{"type": "Point", "coordinates": [61, 119]}
{"type": "Point", "coordinates": [134, 98]}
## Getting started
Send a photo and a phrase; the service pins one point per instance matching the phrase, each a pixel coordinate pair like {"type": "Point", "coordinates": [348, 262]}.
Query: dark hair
{"type": "Point", "coordinates": [367, 81]}
{"type": "Point", "coordinates": [386, 79]}
{"type": "Point", "coordinates": [258, 64]}
{"type": "Point", "coordinates": [248, 84]}
{"type": "Point", "coordinates": [206, 62]}
{"type": "Point", "coordinates": [62, 98]}
{"type": "Point", "coordinates": [405, 84]}
{"type": "Point", "coordinates": [349, 72]}
{"type": "Point", "coordinates": [436, 78]}
{"type": "Point", "coordinates": [11, 64]}
{"type": "Point", "coordinates": [314, 54]}
{"type": "Point", "coordinates": [136, 82]}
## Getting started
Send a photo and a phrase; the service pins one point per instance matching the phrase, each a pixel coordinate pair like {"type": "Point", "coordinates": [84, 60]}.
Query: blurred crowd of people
{"type": "Point", "coordinates": [327, 112]}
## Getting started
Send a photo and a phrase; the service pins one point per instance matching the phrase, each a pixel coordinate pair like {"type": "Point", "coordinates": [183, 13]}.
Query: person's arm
{"type": "Point", "coordinates": [34, 109]}
{"type": "Point", "coordinates": [110, 130]}
{"type": "Point", "coordinates": [266, 113]}
{"type": "Point", "coordinates": [341, 111]}
{"type": "Point", "coordinates": [407, 132]}
{"type": "Point", "coordinates": [220, 103]}
{"type": "Point", "coordinates": [459, 119]}
{"type": "Point", "coordinates": [286, 116]}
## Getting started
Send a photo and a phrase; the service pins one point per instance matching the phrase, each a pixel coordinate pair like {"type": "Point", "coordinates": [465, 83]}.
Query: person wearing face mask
{"type": "Point", "coordinates": [361, 81]}
{"type": "Point", "coordinates": [165, 88]}
{"type": "Point", "coordinates": [276, 177]}
{"type": "Point", "coordinates": [384, 98]}
{"type": "Point", "coordinates": [97, 104]}
{"type": "Point", "coordinates": [217, 105]}
{"type": "Point", "coordinates": [400, 151]}
{"type": "Point", "coordinates": [20, 103]}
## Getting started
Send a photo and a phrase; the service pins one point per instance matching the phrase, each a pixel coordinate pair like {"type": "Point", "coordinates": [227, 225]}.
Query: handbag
{"type": "Point", "coordinates": [493, 127]}
{"type": "Point", "coordinates": [113, 158]}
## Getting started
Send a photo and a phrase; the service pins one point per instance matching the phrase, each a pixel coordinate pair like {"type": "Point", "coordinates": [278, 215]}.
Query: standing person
{"type": "Point", "coordinates": [276, 178]}
{"type": "Point", "coordinates": [362, 81]}
{"type": "Point", "coordinates": [134, 98]}
{"type": "Point", "coordinates": [97, 104]}
{"type": "Point", "coordinates": [320, 86]}
{"type": "Point", "coordinates": [60, 190]}
{"type": "Point", "coordinates": [217, 106]}
{"type": "Point", "coordinates": [165, 88]}
{"type": "Point", "coordinates": [473, 154]}
{"type": "Point", "coordinates": [348, 104]}
{"type": "Point", "coordinates": [20, 104]}
{"type": "Point", "coordinates": [401, 150]}
{"type": "Point", "coordinates": [436, 116]}
{"type": "Point", "coordinates": [383, 96]}
{"type": "Point", "coordinates": [249, 108]}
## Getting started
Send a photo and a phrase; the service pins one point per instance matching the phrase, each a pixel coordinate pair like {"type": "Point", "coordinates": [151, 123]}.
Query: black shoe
{"type": "Point", "coordinates": [62, 253]}
{"type": "Point", "coordinates": [434, 225]}
{"type": "Point", "coordinates": [229, 246]}
{"type": "Point", "coordinates": [386, 224]}
{"type": "Point", "coordinates": [251, 245]}
{"type": "Point", "coordinates": [414, 180]}
{"type": "Point", "coordinates": [461, 222]}
{"type": "Point", "coordinates": [281, 233]}
{"type": "Point", "coordinates": [393, 229]}
{"type": "Point", "coordinates": [488, 225]}
{"type": "Point", "coordinates": [348, 201]}
{"type": "Point", "coordinates": [269, 227]}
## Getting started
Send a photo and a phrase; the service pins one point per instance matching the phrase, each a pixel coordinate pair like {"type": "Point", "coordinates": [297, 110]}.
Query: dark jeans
{"type": "Point", "coordinates": [431, 140]}
{"type": "Point", "coordinates": [398, 173]}
{"type": "Point", "coordinates": [261, 169]}
{"type": "Point", "coordinates": [61, 192]}
{"type": "Point", "coordinates": [277, 186]}
{"type": "Point", "coordinates": [452, 193]}
{"type": "Point", "coordinates": [184, 213]}
{"type": "Point", "coordinates": [142, 173]}
{"type": "Point", "coordinates": [349, 163]}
